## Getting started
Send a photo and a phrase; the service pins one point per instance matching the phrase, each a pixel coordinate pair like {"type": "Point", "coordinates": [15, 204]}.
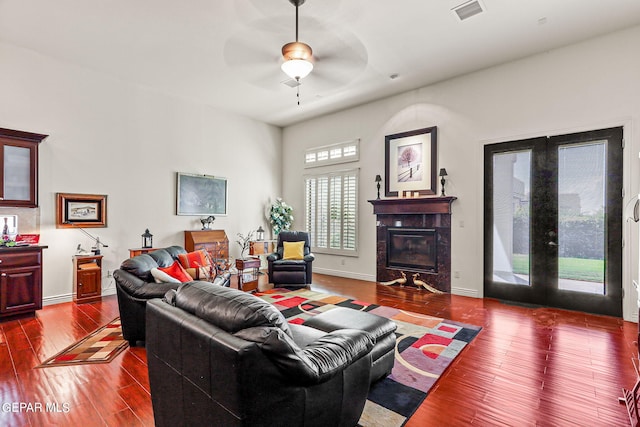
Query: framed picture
{"type": "Point", "coordinates": [201, 195]}
{"type": "Point", "coordinates": [411, 160]}
{"type": "Point", "coordinates": [81, 210]}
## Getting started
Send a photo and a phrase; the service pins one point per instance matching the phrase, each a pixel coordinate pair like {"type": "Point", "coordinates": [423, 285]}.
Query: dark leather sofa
{"type": "Point", "coordinates": [219, 356]}
{"type": "Point", "coordinates": [135, 286]}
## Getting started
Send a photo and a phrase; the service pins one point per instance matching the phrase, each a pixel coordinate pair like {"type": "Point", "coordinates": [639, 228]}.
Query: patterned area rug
{"type": "Point", "coordinates": [425, 347]}
{"type": "Point", "coordinates": [100, 346]}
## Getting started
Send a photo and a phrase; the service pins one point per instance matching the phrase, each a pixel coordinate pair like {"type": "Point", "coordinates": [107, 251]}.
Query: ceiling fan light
{"type": "Point", "coordinates": [296, 50]}
{"type": "Point", "coordinates": [297, 68]}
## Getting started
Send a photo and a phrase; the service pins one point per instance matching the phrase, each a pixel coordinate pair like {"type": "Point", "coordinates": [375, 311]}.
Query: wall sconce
{"type": "Point", "coordinates": [378, 179]}
{"type": "Point", "coordinates": [260, 233]}
{"type": "Point", "coordinates": [147, 239]}
{"type": "Point", "coordinates": [442, 174]}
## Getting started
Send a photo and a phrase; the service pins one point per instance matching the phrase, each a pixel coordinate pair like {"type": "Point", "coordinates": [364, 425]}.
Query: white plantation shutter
{"type": "Point", "coordinates": [331, 201]}
{"type": "Point", "coordinates": [349, 215]}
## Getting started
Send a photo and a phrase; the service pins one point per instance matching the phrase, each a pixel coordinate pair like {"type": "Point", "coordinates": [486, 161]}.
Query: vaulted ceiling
{"type": "Point", "coordinates": [226, 53]}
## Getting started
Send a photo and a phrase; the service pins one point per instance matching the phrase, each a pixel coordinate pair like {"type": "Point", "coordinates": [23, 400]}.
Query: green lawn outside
{"type": "Point", "coordinates": [589, 270]}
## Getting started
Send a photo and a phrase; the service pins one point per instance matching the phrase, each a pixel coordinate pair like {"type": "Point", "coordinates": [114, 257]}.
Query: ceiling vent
{"type": "Point", "coordinates": [468, 9]}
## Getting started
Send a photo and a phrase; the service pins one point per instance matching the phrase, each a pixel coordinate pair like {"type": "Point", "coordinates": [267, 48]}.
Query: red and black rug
{"type": "Point", "coordinates": [425, 347]}
{"type": "Point", "coordinates": [100, 346]}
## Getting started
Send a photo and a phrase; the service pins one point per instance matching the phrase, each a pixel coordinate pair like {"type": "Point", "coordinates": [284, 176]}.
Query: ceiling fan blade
{"type": "Point", "coordinates": [255, 53]}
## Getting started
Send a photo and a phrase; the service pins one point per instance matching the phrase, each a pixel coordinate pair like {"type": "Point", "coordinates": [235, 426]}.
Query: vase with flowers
{"type": "Point", "coordinates": [280, 216]}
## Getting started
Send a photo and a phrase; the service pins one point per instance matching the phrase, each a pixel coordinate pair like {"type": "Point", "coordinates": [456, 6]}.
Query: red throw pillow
{"type": "Point", "coordinates": [176, 271]}
{"type": "Point", "coordinates": [194, 259]}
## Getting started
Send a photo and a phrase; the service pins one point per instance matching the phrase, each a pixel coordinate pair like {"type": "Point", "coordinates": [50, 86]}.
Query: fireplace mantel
{"type": "Point", "coordinates": [419, 214]}
{"type": "Point", "coordinates": [413, 205]}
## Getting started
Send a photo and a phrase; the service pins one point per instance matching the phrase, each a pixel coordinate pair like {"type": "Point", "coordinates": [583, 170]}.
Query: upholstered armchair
{"type": "Point", "coordinates": [291, 266]}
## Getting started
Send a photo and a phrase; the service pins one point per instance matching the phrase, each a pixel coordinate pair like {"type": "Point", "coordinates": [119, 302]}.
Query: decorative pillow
{"type": "Point", "coordinates": [293, 250]}
{"type": "Point", "coordinates": [194, 259]}
{"type": "Point", "coordinates": [162, 277]}
{"type": "Point", "coordinates": [176, 271]}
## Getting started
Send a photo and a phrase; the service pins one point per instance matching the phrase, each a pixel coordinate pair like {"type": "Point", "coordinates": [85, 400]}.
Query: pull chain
{"type": "Point", "coordinates": [298, 90]}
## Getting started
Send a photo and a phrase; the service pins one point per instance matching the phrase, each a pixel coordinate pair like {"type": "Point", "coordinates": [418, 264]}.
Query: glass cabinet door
{"type": "Point", "coordinates": [17, 173]}
{"type": "Point", "coordinates": [19, 168]}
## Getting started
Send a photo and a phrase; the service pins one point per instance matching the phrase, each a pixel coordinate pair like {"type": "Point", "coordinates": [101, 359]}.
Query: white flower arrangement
{"type": "Point", "coordinates": [281, 216]}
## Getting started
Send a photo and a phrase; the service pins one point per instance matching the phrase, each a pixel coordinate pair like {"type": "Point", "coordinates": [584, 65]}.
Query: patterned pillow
{"type": "Point", "coordinates": [194, 259]}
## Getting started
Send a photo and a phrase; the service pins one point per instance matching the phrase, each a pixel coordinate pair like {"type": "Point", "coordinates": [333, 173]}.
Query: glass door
{"type": "Point", "coordinates": [553, 221]}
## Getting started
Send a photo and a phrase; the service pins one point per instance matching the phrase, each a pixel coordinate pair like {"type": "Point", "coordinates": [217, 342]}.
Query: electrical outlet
{"type": "Point", "coordinates": [456, 274]}
{"type": "Point", "coordinates": [342, 261]}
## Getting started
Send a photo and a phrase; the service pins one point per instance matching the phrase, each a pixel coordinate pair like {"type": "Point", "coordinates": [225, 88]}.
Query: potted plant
{"type": "Point", "coordinates": [280, 216]}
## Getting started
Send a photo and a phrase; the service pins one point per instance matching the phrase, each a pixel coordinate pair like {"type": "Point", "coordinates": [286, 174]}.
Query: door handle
{"type": "Point", "coordinates": [552, 244]}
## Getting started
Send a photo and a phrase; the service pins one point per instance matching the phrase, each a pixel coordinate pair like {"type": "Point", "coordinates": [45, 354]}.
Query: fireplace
{"type": "Point", "coordinates": [412, 248]}
{"type": "Point", "coordinates": [414, 240]}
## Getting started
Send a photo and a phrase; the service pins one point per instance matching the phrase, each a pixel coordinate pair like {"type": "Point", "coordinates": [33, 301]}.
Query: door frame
{"type": "Point", "coordinates": [612, 302]}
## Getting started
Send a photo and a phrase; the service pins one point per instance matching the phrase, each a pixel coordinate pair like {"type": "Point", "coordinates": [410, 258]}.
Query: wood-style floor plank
{"type": "Point", "coordinates": [528, 366]}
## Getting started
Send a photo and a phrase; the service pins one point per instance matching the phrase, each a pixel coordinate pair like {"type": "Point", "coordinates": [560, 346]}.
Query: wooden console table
{"type": "Point", "coordinates": [261, 247]}
{"type": "Point", "coordinates": [139, 251]}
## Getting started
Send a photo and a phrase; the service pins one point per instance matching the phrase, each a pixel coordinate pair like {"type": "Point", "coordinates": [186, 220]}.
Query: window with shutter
{"type": "Point", "coordinates": [331, 201]}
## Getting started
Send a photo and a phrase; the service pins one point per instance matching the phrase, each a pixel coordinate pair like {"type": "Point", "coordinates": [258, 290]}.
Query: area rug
{"type": "Point", "coordinates": [100, 346]}
{"type": "Point", "coordinates": [425, 347]}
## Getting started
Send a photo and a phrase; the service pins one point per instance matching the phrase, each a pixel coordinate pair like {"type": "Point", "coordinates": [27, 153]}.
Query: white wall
{"type": "Point", "coordinates": [109, 137]}
{"type": "Point", "coordinates": [590, 85]}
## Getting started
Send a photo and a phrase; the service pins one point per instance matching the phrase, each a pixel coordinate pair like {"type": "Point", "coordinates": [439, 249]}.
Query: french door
{"type": "Point", "coordinates": [553, 221]}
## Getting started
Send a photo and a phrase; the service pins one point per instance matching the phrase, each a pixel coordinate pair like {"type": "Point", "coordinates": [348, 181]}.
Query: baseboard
{"type": "Point", "coordinates": [59, 299]}
{"type": "Point", "coordinates": [346, 274]}
{"type": "Point", "coordinates": [465, 292]}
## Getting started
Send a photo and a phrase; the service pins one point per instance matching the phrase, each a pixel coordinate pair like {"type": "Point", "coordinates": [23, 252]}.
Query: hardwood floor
{"type": "Point", "coordinates": [527, 367]}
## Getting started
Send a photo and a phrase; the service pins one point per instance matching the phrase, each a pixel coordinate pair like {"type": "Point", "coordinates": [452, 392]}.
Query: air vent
{"type": "Point", "coordinates": [468, 9]}
{"type": "Point", "coordinates": [291, 83]}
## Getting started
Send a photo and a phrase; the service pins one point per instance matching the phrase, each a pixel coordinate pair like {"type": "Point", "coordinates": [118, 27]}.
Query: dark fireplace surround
{"type": "Point", "coordinates": [414, 237]}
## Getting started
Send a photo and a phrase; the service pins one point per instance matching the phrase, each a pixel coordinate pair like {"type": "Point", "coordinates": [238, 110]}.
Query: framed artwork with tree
{"type": "Point", "coordinates": [411, 160]}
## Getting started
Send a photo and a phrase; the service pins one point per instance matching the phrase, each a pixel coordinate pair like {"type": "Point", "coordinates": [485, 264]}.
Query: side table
{"type": "Point", "coordinates": [139, 251]}
{"type": "Point", "coordinates": [248, 268]}
{"type": "Point", "coordinates": [87, 278]}
{"type": "Point", "coordinates": [262, 248]}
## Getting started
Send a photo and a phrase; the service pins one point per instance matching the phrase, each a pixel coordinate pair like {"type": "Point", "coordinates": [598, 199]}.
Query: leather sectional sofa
{"type": "Point", "coordinates": [220, 356]}
{"type": "Point", "coordinates": [135, 286]}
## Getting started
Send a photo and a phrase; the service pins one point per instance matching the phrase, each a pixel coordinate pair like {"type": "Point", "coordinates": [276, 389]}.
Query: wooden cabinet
{"type": "Point", "coordinates": [20, 280]}
{"type": "Point", "coordinates": [214, 241]}
{"type": "Point", "coordinates": [19, 168]}
{"type": "Point", "coordinates": [87, 278]}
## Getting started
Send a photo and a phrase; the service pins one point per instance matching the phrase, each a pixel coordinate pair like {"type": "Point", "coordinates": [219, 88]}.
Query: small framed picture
{"type": "Point", "coordinates": [411, 160]}
{"type": "Point", "coordinates": [81, 210]}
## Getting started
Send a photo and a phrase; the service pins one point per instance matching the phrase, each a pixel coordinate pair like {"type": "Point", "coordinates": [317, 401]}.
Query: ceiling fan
{"type": "Point", "coordinates": [337, 58]}
{"type": "Point", "coordinates": [297, 55]}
